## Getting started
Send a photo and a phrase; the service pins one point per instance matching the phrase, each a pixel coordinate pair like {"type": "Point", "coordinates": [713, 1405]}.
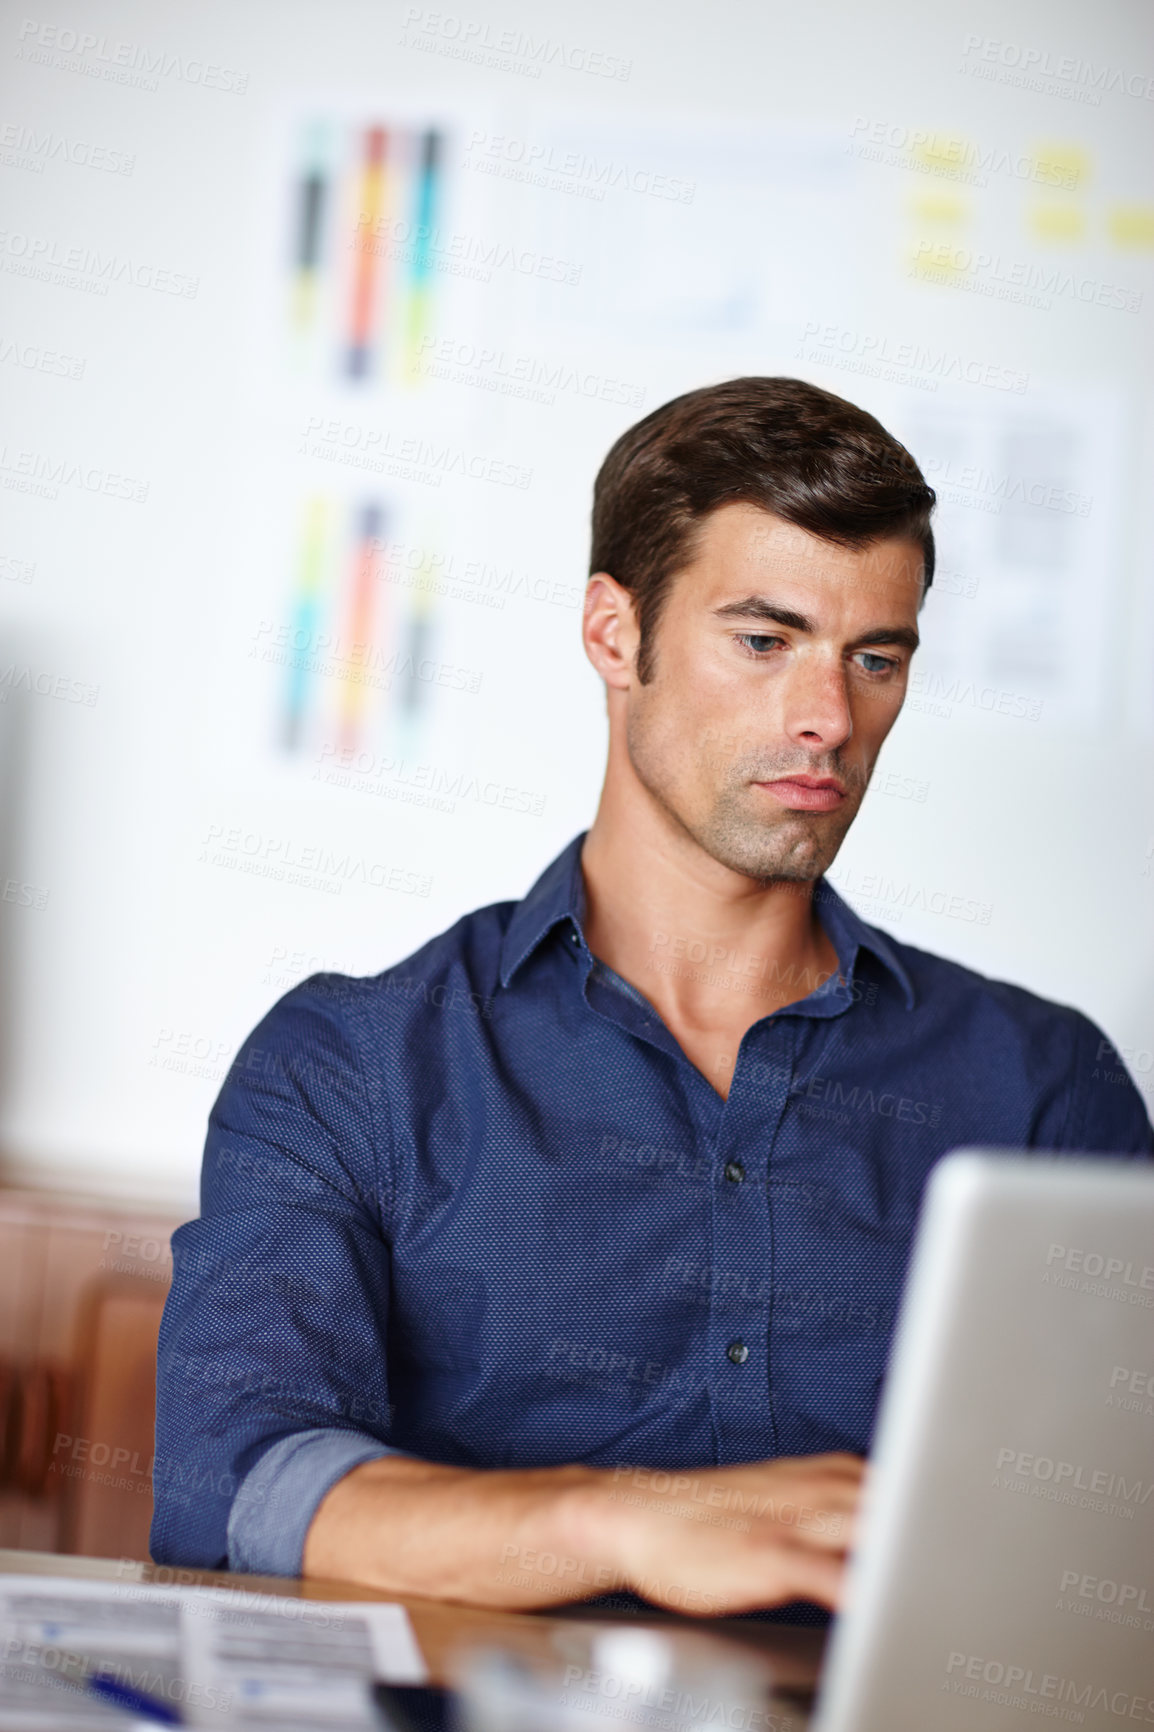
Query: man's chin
{"type": "Point", "coordinates": [797, 865]}
{"type": "Point", "coordinates": [798, 848]}
{"type": "Point", "coordinates": [789, 872]}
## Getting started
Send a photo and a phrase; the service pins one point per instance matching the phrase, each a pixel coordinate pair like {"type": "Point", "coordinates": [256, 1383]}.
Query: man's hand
{"type": "Point", "coordinates": [709, 1541]}
{"type": "Point", "coordinates": [725, 1540]}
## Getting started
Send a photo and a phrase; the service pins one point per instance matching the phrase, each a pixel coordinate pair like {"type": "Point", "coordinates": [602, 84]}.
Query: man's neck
{"type": "Point", "coordinates": [713, 951]}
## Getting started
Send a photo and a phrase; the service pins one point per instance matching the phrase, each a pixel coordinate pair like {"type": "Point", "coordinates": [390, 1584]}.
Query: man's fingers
{"type": "Point", "coordinates": [827, 1530]}
{"type": "Point", "coordinates": [747, 1537]}
{"type": "Point", "coordinates": [777, 1579]}
{"type": "Point", "coordinates": [832, 1469]}
{"type": "Point", "coordinates": [815, 1577]}
{"type": "Point", "coordinates": [836, 1460]}
{"type": "Point", "coordinates": [812, 1513]}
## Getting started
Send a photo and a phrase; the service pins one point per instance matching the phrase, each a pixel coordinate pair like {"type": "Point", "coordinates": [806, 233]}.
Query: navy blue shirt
{"type": "Point", "coordinates": [480, 1208]}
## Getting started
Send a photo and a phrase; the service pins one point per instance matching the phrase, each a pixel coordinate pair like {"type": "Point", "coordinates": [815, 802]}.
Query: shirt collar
{"type": "Point", "coordinates": [849, 934]}
{"type": "Point", "coordinates": [559, 895]}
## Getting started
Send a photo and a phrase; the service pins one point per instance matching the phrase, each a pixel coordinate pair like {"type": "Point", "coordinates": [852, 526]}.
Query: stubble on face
{"type": "Point", "coordinates": [739, 826]}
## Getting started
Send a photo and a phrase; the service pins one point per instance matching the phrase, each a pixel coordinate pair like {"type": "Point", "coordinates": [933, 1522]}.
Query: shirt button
{"type": "Point", "coordinates": [737, 1352]}
{"type": "Point", "coordinates": [734, 1172]}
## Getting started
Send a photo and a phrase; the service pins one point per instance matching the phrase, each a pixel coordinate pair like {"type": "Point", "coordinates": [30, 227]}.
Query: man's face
{"type": "Point", "coordinates": [777, 655]}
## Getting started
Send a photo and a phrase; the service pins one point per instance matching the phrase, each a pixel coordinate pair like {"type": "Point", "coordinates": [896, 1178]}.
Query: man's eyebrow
{"type": "Point", "coordinates": [762, 609]}
{"type": "Point", "coordinates": [900, 636]}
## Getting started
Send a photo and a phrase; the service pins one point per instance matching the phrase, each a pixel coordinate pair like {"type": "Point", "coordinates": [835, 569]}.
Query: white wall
{"type": "Point", "coordinates": [817, 157]}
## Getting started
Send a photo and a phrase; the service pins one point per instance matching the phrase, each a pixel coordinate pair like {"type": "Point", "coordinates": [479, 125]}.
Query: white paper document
{"type": "Point", "coordinates": [215, 1656]}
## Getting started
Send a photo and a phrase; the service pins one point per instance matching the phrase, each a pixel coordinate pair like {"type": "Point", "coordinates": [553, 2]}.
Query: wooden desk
{"type": "Point", "coordinates": [445, 1632]}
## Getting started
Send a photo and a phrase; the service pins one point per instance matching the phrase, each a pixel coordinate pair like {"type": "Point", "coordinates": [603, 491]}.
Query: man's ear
{"type": "Point", "coordinates": [609, 630]}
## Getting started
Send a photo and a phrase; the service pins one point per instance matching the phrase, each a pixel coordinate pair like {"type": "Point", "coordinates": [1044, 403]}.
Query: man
{"type": "Point", "coordinates": [564, 1256]}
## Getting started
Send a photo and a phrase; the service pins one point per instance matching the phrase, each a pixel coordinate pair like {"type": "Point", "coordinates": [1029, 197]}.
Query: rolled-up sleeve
{"type": "Point", "coordinates": [278, 1498]}
{"type": "Point", "coordinates": [271, 1370]}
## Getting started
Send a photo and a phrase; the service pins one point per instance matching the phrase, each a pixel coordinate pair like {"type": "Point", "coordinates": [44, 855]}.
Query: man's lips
{"type": "Point", "coordinates": [806, 793]}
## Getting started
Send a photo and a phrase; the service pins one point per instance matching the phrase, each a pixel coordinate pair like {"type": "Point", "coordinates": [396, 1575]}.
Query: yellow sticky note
{"type": "Point", "coordinates": [1131, 226]}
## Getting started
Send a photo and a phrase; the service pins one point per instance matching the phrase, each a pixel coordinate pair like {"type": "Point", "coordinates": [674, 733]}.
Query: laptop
{"type": "Point", "coordinates": [1004, 1571]}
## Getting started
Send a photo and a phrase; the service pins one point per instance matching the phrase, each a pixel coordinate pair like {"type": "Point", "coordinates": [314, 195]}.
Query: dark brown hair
{"type": "Point", "coordinates": [809, 457]}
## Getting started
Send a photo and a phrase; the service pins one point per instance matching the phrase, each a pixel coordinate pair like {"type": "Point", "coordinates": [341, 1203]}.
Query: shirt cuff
{"type": "Point", "coordinates": [278, 1498]}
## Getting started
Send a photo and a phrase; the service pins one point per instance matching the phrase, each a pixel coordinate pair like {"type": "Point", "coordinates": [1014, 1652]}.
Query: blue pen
{"type": "Point", "coordinates": [132, 1700]}
{"type": "Point", "coordinates": [109, 1689]}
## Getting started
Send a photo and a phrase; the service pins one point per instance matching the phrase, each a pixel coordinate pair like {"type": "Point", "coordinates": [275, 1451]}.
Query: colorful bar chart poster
{"type": "Point", "coordinates": [360, 630]}
{"type": "Point", "coordinates": [367, 203]}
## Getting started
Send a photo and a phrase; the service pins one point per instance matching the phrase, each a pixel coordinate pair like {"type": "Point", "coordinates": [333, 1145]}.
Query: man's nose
{"type": "Point", "coordinates": [818, 707]}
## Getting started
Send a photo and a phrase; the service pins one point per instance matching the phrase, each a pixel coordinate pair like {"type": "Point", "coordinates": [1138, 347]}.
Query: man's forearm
{"type": "Point", "coordinates": [416, 1527]}
{"type": "Point", "coordinates": [710, 1541]}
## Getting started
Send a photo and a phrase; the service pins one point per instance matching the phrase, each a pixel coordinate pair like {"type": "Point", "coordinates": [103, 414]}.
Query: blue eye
{"type": "Point", "coordinates": [756, 642]}
{"type": "Point", "coordinates": [881, 664]}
